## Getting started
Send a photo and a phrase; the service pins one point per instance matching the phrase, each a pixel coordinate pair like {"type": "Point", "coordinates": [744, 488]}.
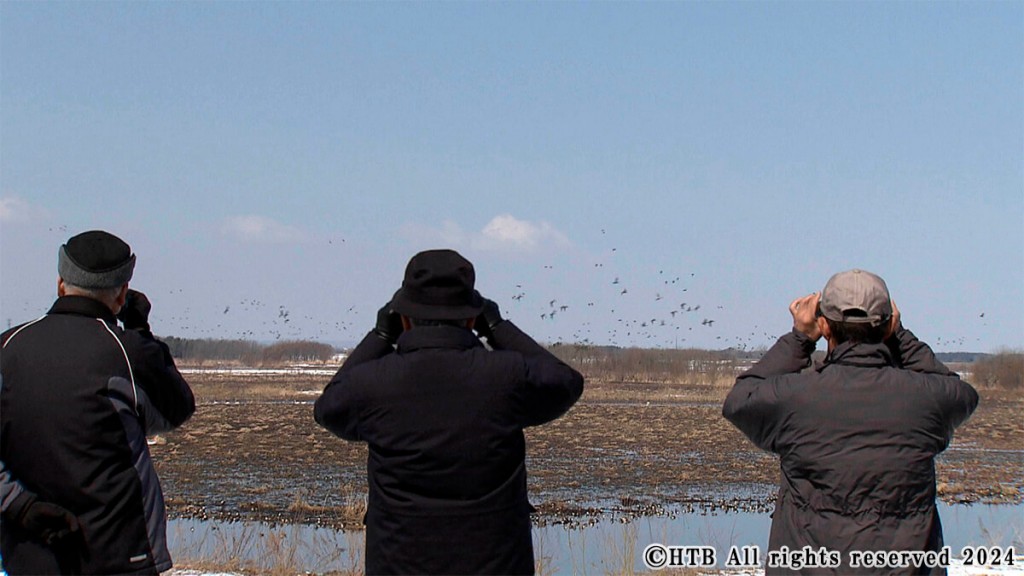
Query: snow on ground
{"type": "Point", "coordinates": [955, 569]}
{"type": "Point", "coordinates": [316, 371]}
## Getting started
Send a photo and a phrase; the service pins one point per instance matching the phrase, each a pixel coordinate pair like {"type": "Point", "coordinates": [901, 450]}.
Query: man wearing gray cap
{"type": "Point", "coordinates": [78, 491]}
{"type": "Point", "coordinates": [857, 436]}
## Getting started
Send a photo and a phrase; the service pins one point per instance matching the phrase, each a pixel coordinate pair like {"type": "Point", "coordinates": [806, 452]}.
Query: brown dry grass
{"type": "Point", "coordinates": [253, 451]}
{"type": "Point", "coordinates": [259, 550]}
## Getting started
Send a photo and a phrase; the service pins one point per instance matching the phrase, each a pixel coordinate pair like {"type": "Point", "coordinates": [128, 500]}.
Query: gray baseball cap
{"type": "Point", "coordinates": [857, 297]}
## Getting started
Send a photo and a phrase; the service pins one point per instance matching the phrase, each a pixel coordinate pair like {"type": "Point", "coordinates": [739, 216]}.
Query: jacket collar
{"type": "Point", "coordinates": [437, 337]}
{"type": "Point", "coordinates": [858, 354]}
{"type": "Point", "coordinates": [83, 306]}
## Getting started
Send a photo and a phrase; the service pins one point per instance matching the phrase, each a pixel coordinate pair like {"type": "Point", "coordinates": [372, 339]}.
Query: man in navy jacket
{"type": "Point", "coordinates": [78, 490]}
{"type": "Point", "coordinates": [443, 417]}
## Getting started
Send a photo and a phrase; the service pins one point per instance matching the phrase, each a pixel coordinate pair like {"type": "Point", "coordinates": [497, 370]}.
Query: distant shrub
{"type": "Point", "coordinates": [212, 349]}
{"type": "Point", "coordinates": [1002, 370]}
{"type": "Point", "coordinates": [297, 351]}
{"type": "Point", "coordinates": [248, 352]}
{"type": "Point", "coordinates": [612, 364]}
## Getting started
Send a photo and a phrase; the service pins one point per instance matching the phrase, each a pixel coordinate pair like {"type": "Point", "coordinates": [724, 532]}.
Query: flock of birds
{"type": "Point", "coordinates": [618, 306]}
{"type": "Point", "coordinates": [615, 310]}
{"type": "Point", "coordinates": [598, 319]}
{"type": "Point", "coordinates": [668, 323]}
{"type": "Point", "coordinates": [274, 323]}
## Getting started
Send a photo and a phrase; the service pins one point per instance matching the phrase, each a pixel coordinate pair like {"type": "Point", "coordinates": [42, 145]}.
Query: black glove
{"type": "Point", "coordinates": [45, 521]}
{"type": "Point", "coordinates": [488, 318]}
{"type": "Point", "coordinates": [135, 312]}
{"type": "Point", "coordinates": [389, 324]}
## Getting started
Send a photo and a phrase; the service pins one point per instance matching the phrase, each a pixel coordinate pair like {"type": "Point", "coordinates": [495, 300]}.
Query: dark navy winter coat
{"type": "Point", "coordinates": [443, 418]}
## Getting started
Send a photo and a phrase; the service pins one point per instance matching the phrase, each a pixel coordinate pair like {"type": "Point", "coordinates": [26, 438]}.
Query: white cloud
{"type": "Point", "coordinates": [253, 228]}
{"type": "Point", "coordinates": [14, 209]}
{"type": "Point", "coordinates": [507, 232]}
{"type": "Point", "coordinates": [503, 233]}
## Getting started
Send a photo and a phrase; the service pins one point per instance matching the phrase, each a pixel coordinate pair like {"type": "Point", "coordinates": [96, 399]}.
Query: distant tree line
{"type": "Point", "coordinates": [1002, 370]}
{"type": "Point", "coordinates": [960, 357]}
{"type": "Point", "coordinates": [613, 364]}
{"type": "Point", "coordinates": [606, 363]}
{"type": "Point", "coordinates": [298, 351]}
{"type": "Point", "coordinates": [248, 352]}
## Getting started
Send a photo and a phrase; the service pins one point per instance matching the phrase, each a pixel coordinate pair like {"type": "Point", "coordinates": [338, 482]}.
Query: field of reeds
{"type": "Point", "coordinates": [631, 449]}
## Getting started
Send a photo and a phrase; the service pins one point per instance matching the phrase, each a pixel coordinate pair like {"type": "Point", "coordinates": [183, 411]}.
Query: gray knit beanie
{"type": "Point", "coordinates": [95, 260]}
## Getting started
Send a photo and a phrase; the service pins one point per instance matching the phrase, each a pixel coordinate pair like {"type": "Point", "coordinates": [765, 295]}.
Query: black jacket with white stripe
{"type": "Point", "coordinates": [79, 396]}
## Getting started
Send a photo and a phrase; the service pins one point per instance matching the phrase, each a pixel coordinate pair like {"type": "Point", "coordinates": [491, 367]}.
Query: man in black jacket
{"type": "Point", "coordinates": [444, 418]}
{"type": "Point", "coordinates": [857, 436]}
{"type": "Point", "coordinates": [78, 490]}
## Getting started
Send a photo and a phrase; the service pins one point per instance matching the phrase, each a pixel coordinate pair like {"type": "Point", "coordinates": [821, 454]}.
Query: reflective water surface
{"type": "Point", "coordinates": [611, 545]}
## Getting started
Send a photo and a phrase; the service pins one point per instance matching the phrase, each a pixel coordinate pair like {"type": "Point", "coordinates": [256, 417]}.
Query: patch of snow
{"type": "Point", "coordinates": [303, 370]}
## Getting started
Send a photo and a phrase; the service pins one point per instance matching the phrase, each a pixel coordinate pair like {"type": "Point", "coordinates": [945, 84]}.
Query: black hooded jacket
{"type": "Point", "coordinates": [444, 420]}
{"type": "Point", "coordinates": [79, 396]}
{"type": "Point", "coordinates": [857, 439]}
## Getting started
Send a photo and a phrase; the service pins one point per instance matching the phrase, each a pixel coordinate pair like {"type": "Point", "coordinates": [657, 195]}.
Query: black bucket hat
{"type": "Point", "coordinates": [438, 285]}
{"type": "Point", "coordinates": [95, 259]}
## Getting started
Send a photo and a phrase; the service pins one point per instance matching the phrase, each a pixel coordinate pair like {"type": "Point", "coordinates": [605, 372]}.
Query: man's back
{"type": "Point", "coordinates": [856, 440]}
{"type": "Point", "coordinates": [444, 425]}
{"type": "Point", "coordinates": [75, 412]}
{"type": "Point", "coordinates": [66, 379]}
{"type": "Point", "coordinates": [443, 418]}
{"type": "Point", "coordinates": [860, 440]}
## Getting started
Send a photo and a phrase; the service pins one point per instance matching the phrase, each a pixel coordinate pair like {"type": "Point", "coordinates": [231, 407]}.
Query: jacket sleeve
{"type": "Point", "coordinates": [12, 494]}
{"type": "Point", "coordinates": [10, 490]}
{"type": "Point", "coordinates": [552, 386]}
{"type": "Point", "coordinates": [753, 403]}
{"type": "Point", "coordinates": [166, 401]}
{"type": "Point", "coordinates": [911, 354]}
{"type": "Point", "coordinates": [957, 399]}
{"type": "Point", "coordinates": [337, 409]}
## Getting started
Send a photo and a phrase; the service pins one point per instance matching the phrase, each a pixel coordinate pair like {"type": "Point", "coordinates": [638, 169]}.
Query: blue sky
{"type": "Point", "coordinates": [275, 165]}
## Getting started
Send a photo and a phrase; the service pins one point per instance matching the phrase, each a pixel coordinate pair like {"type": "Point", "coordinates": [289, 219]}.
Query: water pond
{"type": "Point", "coordinates": [607, 546]}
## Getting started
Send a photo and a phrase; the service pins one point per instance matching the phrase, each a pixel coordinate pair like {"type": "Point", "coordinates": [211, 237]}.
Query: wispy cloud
{"type": "Point", "coordinates": [15, 209]}
{"type": "Point", "coordinates": [253, 228]}
{"type": "Point", "coordinates": [503, 233]}
{"type": "Point", "coordinates": [508, 232]}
